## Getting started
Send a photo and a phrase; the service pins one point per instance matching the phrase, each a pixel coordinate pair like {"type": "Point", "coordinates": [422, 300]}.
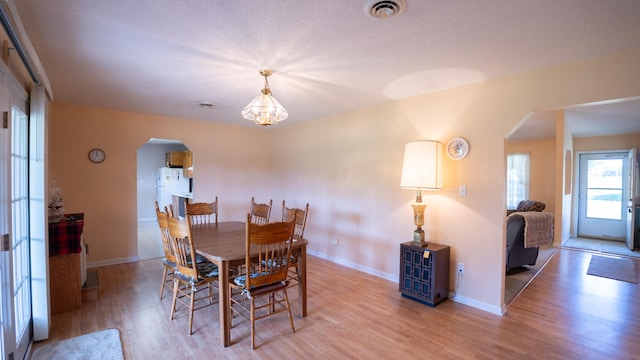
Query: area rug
{"type": "Point", "coordinates": [613, 268]}
{"type": "Point", "coordinates": [101, 345]}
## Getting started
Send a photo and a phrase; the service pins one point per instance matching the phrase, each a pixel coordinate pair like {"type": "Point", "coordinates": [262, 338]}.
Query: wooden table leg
{"type": "Point", "coordinates": [224, 303]}
{"type": "Point", "coordinates": [302, 282]}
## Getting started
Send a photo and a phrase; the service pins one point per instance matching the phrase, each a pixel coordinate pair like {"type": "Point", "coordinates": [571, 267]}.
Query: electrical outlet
{"type": "Point", "coordinates": [334, 240]}
{"type": "Point", "coordinates": [460, 268]}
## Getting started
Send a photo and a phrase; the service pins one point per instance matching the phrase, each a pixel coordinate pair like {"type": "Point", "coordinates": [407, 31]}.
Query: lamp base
{"type": "Point", "coordinates": [418, 237]}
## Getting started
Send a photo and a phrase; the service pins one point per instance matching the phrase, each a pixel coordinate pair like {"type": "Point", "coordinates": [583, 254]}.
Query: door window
{"type": "Point", "coordinates": [604, 188]}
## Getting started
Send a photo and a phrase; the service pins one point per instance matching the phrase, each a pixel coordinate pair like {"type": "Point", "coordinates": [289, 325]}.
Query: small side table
{"type": "Point", "coordinates": [424, 272]}
{"type": "Point", "coordinates": [65, 277]}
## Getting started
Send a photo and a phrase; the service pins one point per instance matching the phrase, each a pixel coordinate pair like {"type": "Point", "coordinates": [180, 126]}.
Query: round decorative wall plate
{"type": "Point", "coordinates": [97, 155]}
{"type": "Point", "coordinates": [457, 148]}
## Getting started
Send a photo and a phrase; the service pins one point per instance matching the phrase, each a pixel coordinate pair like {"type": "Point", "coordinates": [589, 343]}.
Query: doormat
{"type": "Point", "coordinates": [613, 268]}
{"type": "Point", "coordinates": [101, 345]}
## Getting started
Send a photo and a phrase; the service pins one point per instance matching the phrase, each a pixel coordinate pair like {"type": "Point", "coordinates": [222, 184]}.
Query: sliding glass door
{"type": "Point", "coordinates": [21, 280]}
{"type": "Point", "coordinates": [5, 219]}
{"type": "Point", "coordinates": [15, 273]}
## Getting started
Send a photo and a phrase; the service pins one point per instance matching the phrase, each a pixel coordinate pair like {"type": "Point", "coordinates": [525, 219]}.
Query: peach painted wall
{"type": "Point", "coordinates": [346, 166]}
{"type": "Point", "coordinates": [598, 143]}
{"type": "Point", "coordinates": [233, 163]}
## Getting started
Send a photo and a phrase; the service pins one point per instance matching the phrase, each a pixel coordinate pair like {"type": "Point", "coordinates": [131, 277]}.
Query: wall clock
{"type": "Point", "coordinates": [97, 155]}
{"type": "Point", "coordinates": [457, 148]}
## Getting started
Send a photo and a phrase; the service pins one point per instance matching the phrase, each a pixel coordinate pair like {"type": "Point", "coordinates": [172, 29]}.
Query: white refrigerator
{"type": "Point", "coordinates": [170, 181]}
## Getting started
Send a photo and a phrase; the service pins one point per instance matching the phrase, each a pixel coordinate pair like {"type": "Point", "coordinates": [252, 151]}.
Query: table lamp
{"type": "Point", "coordinates": [421, 169]}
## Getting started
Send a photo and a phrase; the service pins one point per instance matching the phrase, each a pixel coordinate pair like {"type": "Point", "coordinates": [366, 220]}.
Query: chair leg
{"type": "Point", "coordinates": [293, 274]}
{"type": "Point", "coordinates": [175, 297]}
{"type": "Point", "coordinates": [191, 305]}
{"type": "Point", "coordinates": [164, 279]}
{"type": "Point", "coordinates": [272, 301]}
{"type": "Point", "coordinates": [230, 303]}
{"type": "Point", "coordinates": [286, 298]}
{"type": "Point", "coordinates": [253, 322]}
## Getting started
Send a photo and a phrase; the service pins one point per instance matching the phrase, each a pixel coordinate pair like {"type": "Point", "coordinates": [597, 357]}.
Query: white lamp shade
{"type": "Point", "coordinates": [422, 165]}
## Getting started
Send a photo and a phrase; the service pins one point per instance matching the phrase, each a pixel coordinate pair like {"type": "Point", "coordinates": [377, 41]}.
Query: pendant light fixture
{"type": "Point", "coordinates": [265, 110]}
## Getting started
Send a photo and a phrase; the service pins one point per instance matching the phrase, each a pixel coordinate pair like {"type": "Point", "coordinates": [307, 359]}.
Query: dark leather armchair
{"type": "Point", "coordinates": [517, 254]}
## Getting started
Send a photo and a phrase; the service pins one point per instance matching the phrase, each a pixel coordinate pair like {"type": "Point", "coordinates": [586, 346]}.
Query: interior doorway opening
{"type": "Point", "coordinates": [153, 157]}
{"type": "Point", "coordinates": [608, 124]}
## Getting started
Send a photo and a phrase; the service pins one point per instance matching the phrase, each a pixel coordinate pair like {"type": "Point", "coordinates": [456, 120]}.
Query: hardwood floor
{"type": "Point", "coordinates": [563, 314]}
{"type": "Point", "coordinates": [149, 243]}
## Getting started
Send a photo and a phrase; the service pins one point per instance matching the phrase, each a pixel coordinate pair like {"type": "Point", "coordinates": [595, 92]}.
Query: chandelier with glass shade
{"type": "Point", "coordinates": [265, 110]}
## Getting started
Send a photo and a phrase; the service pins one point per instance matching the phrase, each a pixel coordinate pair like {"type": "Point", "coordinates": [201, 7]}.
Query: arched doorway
{"type": "Point", "coordinates": [151, 157]}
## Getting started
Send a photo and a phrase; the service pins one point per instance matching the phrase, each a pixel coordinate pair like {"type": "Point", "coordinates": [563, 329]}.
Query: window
{"type": "Point", "coordinates": [517, 179]}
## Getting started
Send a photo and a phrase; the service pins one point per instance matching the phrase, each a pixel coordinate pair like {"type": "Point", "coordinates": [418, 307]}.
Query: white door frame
{"type": "Point", "coordinates": [580, 200]}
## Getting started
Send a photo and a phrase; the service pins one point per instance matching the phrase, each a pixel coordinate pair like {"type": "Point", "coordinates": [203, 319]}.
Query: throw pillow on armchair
{"type": "Point", "coordinates": [530, 205]}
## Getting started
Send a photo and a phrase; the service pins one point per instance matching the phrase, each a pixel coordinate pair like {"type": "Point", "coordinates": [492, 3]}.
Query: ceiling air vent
{"type": "Point", "coordinates": [382, 9]}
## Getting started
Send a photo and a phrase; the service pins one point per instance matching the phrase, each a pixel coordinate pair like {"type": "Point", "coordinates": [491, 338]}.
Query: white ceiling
{"type": "Point", "coordinates": [165, 56]}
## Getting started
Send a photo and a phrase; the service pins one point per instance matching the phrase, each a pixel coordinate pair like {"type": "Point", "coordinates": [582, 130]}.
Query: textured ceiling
{"type": "Point", "coordinates": [165, 56]}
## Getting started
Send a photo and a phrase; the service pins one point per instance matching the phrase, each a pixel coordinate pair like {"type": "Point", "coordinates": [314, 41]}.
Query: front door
{"type": "Point", "coordinates": [603, 189]}
{"type": "Point", "coordinates": [632, 193]}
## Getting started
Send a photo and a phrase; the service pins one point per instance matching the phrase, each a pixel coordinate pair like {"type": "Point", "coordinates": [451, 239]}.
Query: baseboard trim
{"type": "Point", "coordinates": [351, 265]}
{"type": "Point", "coordinates": [479, 305]}
{"type": "Point", "coordinates": [95, 264]}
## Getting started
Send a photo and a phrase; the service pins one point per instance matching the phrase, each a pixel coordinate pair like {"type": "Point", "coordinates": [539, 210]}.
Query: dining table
{"type": "Point", "coordinates": [223, 243]}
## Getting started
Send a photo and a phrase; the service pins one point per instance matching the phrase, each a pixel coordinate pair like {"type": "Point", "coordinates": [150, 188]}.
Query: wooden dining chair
{"type": "Point", "coordinates": [169, 260]}
{"type": "Point", "coordinates": [202, 212]}
{"type": "Point", "coordinates": [260, 213]}
{"type": "Point", "coordinates": [190, 277]}
{"type": "Point", "coordinates": [300, 216]}
{"type": "Point", "coordinates": [264, 285]}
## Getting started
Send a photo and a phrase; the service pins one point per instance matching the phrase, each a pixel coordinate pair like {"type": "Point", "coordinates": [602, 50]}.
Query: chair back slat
{"type": "Point", "coordinates": [273, 243]}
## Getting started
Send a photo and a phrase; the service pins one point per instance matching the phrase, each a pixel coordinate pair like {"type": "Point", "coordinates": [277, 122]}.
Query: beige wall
{"type": "Point", "coordinates": [542, 167]}
{"type": "Point", "coordinates": [346, 166]}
